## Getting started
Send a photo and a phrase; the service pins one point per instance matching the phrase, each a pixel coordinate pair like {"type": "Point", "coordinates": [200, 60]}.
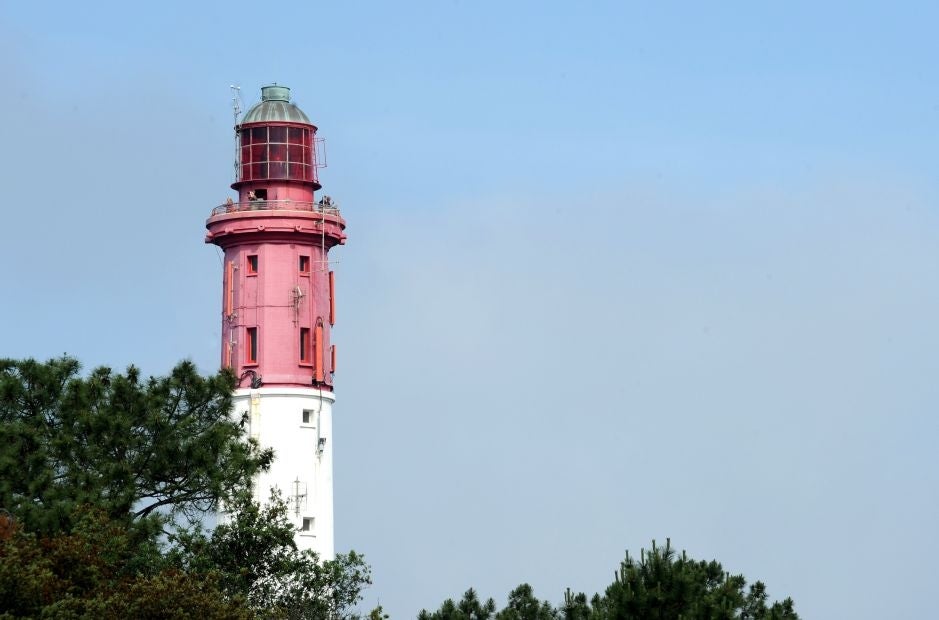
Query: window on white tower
{"type": "Point", "coordinates": [307, 525]}
{"type": "Point", "coordinates": [308, 418]}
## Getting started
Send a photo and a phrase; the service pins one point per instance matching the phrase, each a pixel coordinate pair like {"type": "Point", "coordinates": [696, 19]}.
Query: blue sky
{"type": "Point", "coordinates": [615, 272]}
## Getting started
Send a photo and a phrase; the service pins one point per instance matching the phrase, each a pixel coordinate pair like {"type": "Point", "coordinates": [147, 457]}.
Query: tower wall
{"type": "Point", "coordinates": [297, 424]}
{"type": "Point", "coordinates": [281, 287]}
{"type": "Point", "coordinates": [278, 307]}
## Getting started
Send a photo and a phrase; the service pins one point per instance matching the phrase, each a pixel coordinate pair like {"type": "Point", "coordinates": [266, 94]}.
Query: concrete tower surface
{"type": "Point", "coordinates": [278, 304]}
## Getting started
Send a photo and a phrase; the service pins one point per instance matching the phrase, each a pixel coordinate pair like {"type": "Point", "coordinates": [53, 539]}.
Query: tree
{"type": "Point", "coordinates": [661, 585]}
{"type": "Point", "coordinates": [248, 568]}
{"type": "Point", "coordinates": [256, 556]}
{"type": "Point", "coordinates": [469, 608]}
{"type": "Point", "coordinates": [104, 479]}
{"type": "Point", "coordinates": [100, 570]}
{"type": "Point", "coordinates": [523, 605]}
{"type": "Point", "coordinates": [148, 451]}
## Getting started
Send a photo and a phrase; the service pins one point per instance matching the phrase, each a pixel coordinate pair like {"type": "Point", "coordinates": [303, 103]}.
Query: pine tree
{"type": "Point", "coordinates": [660, 585]}
{"type": "Point", "coordinates": [153, 451]}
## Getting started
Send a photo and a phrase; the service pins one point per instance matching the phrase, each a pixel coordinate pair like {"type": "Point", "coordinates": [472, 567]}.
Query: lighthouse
{"type": "Point", "coordinates": [279, 305]}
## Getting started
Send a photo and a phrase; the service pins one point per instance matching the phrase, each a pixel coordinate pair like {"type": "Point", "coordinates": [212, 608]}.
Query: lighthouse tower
{"type": "Point", "coordinates": [278, 305]}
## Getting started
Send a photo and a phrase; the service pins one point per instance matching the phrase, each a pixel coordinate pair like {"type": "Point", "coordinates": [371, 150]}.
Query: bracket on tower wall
{"type": "Point", "coordinates": [299, 498]}
{"type": "Point", "coordinates": [255, 379]}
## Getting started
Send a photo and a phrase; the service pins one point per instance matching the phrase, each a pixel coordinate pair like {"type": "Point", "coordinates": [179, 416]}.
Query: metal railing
{"type": "Point", "coordinates": [277, 205]}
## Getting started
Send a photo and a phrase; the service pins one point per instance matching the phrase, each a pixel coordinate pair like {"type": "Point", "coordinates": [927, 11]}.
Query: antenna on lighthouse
{"type": "Point", "coordinates": [236, 102]}
{"type": "Point", "coordinates": [236, 105]}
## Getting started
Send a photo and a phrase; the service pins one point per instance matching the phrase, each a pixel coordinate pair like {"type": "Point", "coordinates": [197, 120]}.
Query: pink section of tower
{"type": "Point", "coordinates": [278, 291]}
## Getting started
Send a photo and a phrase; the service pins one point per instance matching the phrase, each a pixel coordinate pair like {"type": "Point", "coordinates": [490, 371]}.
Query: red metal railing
{"type": "Point", "coordinates": [276, 205]}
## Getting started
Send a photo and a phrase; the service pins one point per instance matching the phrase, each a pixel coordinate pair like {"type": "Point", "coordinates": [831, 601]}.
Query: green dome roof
{"type": "Point", "coordinates": [275, 106]}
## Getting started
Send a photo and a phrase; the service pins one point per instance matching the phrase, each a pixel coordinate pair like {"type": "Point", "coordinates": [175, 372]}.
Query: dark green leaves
{"type": "Point", "coordinates": [659, 585]}
{"type": "Point", "coordinates": [158, 449]}
{"type": "Point", "coordinates": [106, 478]}
{"type": "Point", "coordinates": [257, 560]}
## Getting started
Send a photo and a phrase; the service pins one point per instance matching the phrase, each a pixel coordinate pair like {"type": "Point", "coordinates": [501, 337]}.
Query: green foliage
{"type": "Point", "coordinates": [523, 605]}
{"type": "Point", "coordinates": [249, 568]}
{"type": "Point", "coordinates": [576, 607]}
{"type": "Point", "coordinates": [257, 558]}
{"type": "Point", "coordinates": [103, 480]}
{"type": "Point", "coordinates": [377, 614]}
{"type": "Point", "coordinates": [469, 608]}
{"type": "Point", "coordinates": [140, 450]}
{"type": "Point", "coordinates": [102, 569]}
{"type": "Point", "coordinates": [661, 585]}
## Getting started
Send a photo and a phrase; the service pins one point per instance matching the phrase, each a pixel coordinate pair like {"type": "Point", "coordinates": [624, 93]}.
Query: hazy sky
{"type": "Point", "coordinates": [614, 272]}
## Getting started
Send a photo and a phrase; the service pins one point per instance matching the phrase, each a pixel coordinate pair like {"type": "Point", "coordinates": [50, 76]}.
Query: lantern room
{"type": "Point", "coordinates": [276, 144]}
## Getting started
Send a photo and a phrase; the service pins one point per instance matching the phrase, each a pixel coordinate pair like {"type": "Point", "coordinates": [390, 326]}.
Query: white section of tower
{"type": "Point", "coordinates": [297, 423]}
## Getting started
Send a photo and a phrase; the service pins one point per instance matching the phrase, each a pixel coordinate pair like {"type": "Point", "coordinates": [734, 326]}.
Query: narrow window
{"type": "Point", "coordinates": [230, 289]}
{"type": "Point", "coordinates": [252, 264]}
{"type": "Point", "coordinates": [332, 298]}
{"type": "Point", "coordinates": [304, 264]}
{"type": "Point", "coordinates": [307, 416]}
{"type": "Point", "coordinates": [305, 345]}
{"type": "Point", "coordinates": [307, 524]}
{"type": "Point", "coordinates": [251, 350]}
{"type": "Point", "coordinates": [319, 372]}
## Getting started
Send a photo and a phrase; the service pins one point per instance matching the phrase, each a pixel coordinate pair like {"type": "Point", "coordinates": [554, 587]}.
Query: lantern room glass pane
{"type": "Point", "coordinates": [258, 152]}
{"type": "Point", "coordinates": [245, 154]}
{"type": "Point", "coordinates": [258, 134]}
{"type": "Point", "coordinates": [259, 171]}
{"type": "Point", "coordinates": [295, 153]}
{"type": "Point", "coordinates": [278, 170]}
{"type": "Point", "coordinates": [296, 171]}
{"type": "Point", "coordinates": [295, 135]}
{"type": "Point", "coordinates": [278, 152]}
{"type": "Point", "coordinates": [278, 134]}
